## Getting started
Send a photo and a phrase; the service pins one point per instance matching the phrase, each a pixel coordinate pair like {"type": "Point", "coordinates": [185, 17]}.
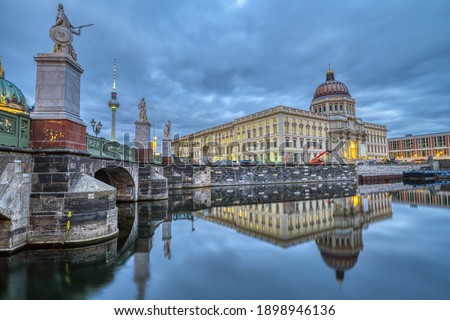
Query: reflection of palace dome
{"type": "Point", "coordinates": [10, 94]}
{"type": "Point", "coordinates": [331, 87]}
{"type": "Point", "coordinates": [341, 256]}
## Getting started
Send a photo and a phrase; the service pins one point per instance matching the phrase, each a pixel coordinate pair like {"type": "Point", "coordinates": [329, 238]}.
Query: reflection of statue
{"type": "Point", "coordinates": [142, 110]}
{"type": "Point", "coordinates": [167, 251]}
{"type": "Point", "coordinates": [167, 126]}
{"type": "Point", "coordinates": [61, 33]}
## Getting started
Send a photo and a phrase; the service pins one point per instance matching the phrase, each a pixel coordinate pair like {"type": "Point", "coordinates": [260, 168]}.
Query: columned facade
{"type": "Point", "coordinates": [290, 135]}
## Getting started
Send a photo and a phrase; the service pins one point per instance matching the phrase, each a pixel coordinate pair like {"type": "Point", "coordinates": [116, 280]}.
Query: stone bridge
{"type": "Point", "coordinates": [63, 197]}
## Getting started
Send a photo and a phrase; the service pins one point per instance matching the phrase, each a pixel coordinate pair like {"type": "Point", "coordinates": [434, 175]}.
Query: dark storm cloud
{"type": "Point", "coordinates": [202, 63]}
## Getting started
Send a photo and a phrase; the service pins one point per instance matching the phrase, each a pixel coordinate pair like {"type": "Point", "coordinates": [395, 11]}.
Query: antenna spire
{"type": "Point", "coordinates": [114, 79]}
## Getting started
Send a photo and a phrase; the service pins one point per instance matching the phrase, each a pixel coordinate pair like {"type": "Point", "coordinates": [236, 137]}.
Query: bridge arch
{"type": "Point", "coordinates": [119, 178]}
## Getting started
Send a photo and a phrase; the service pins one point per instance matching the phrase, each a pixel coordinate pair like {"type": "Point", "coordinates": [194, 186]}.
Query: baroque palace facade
{"type": "Point", "coordinates": [291, 135]}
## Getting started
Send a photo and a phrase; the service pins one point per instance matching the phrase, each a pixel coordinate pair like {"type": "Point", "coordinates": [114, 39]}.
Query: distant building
{"type": "Point", "coordinates": [291, 135]}
{"type": "Point", "coordinates": [420, 147]}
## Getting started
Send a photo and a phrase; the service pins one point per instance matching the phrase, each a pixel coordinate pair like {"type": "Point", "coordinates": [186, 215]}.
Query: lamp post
{"type": "Point", "coordinates": [96, 127]}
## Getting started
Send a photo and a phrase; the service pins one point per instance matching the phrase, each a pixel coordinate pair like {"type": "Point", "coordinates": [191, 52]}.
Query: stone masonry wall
{"type": "Point", "coordinates": [67, 205]}
{"type": "Point", "coordinates": [248, 175]}
{"type": "Point", "coordinates": [385, 169]}
{"type": "Point", "coordinates": [15, 187]}
{"type": "Point", "coordinates": [206, 176]}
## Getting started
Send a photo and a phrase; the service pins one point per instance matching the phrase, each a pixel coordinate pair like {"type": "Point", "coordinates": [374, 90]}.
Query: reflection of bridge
{"type": "Point", "coordinates": [335, 223]}
{"type": "Point", "coordinates": [88, 267]}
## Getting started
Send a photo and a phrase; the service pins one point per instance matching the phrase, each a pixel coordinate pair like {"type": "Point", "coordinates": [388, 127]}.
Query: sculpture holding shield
{"type": "Point", "coordinates": [61, 33]}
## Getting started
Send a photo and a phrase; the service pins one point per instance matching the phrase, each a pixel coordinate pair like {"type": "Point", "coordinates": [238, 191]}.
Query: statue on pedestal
{"type": "Point", "coordinates": [61, 33]}
{"type": "Point", "coordinates": [142, 110]}
{"type": "Point", "coordinates": [167, 126]}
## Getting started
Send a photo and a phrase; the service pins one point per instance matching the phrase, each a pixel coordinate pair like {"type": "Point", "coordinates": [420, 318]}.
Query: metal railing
{"type": "Point", "coordinates": [100, 147]}
{"type": "Point", "coordinates": [14, 130]}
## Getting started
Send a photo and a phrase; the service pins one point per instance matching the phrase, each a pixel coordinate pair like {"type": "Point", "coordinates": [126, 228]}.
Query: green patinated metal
{"type": "Point", "coordinates": [14, 129]}
{"type": "Point", "coordinates": [100, 147]}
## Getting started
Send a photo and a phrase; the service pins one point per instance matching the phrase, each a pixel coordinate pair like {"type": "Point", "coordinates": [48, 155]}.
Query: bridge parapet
{"type": "Point", "coordinates": [101, 147]}
{"type": "Point", "coordinates": [14, 129]}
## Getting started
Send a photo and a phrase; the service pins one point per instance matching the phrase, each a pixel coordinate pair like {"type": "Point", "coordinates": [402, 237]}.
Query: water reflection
{"type": "Point", "coordinates": [437, 195]}
{"type": "Point", "coordinates": [333, 216]}
{"type": "Point", "coordinates": [335, 224]}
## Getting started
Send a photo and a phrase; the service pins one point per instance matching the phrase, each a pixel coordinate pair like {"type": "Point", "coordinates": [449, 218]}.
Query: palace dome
{"type": "Point", "coordinates": [10, 94]}
{"type": "Point", "coordinates": [331, 87]}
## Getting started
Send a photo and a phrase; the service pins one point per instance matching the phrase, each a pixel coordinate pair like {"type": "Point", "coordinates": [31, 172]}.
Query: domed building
{"type": "Point", "coordinates": [350, 137]}
{"type": "Point", "coordinates": [14, 117]}
{"type": "Point", "coordinates": [291, 135]}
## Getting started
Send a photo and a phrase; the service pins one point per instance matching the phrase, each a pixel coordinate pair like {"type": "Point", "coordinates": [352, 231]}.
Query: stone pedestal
{"type": "Point", "coordinates": [55, 121]}
{"type": "Point", "coordinates": [144, 152]}
{"type": "Point", "coordinates": [166, 154]}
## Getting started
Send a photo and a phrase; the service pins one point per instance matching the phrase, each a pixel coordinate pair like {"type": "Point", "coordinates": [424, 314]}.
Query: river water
{"type": "Point", "coordinates": [328, 241]}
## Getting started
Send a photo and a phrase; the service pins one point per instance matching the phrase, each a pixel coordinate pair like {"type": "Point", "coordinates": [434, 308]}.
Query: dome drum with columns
{"type": "Point", "coordinates": [348, 135]}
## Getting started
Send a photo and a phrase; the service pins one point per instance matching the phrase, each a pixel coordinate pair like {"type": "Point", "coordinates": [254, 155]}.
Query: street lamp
{"type": "Point", "coordinates": [96, 127]}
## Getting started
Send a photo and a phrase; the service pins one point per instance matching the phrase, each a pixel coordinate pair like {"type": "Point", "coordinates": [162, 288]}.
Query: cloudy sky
{"type": "Point", "coordinates": [201, 63]}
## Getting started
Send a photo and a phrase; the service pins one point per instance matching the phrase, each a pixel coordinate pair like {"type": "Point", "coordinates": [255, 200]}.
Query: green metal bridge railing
{"type": "Point", "coordinates": [100, 147]}
{"type": "Point", "coordinates": [14, 130]}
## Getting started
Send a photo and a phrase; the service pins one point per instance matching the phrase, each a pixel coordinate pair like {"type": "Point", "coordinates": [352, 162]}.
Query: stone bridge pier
{"type": "Point", "coordinates": [67, 198]}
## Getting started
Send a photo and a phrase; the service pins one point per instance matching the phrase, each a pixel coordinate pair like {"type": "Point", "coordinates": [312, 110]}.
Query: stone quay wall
{"type": "Point", "coordinates": [386, 169]}
{"type": "Point", "coordinates": [202, 198]}
{"type": "Point", "coordinates": [216, 176]}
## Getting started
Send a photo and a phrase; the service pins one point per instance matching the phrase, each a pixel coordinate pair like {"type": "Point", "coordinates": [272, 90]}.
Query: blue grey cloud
{"type": "Point", "coordinates": [201, 63]}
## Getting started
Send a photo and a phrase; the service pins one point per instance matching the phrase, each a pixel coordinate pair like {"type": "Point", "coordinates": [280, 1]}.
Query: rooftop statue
{"type": "Point", "coordinates": [61, 33]}
{"type": "Point", "coordinates": [167, 126]}
{"type": "Point", "coordinates": [142, 110]}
